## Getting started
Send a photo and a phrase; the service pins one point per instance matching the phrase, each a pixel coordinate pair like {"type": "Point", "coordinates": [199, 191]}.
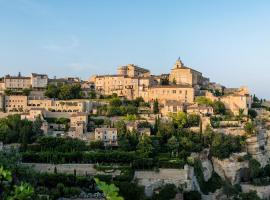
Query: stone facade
{"type": "Point", "coordinates": [152, 180]}
{"type": "Point", "coordinates": [39, 81]}
{"type": "Point", "coordinates": [78, 124]}
{"type": "Point", "coordinates": [183, 75]}
{"type": "Point", "coordinates": [17, 82]}
{"type": "Point", "coordinates": [234, 102]}
{"type": "Point", "coordinates": [19, 103]}
{"type": "Point", "coordinates": [107, 135]}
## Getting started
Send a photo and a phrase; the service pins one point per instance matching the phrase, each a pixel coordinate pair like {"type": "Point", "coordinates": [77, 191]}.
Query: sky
{"type": "Point", "coordinates": [227, 40]}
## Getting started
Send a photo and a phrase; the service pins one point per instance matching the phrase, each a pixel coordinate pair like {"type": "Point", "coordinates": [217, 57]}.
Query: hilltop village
{"type": "Point", "coordinates": [152, 137]}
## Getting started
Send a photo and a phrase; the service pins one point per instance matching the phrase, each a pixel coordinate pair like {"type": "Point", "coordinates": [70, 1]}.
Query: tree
{"type": "Point", "coordinates": [203, 101]}
{"type": "Point", "coordinates": [192, 195]}
{"type": "Point", "coordinates": [116, 102]}
{"type": "Point", "coordinates": [250, 128]}
{"type": "Point", "coordinates": [167, 192]}
{"type": "Point", "coordinates": [145, 147]}
{"type": "Point", "coordinates": [110, 191]}
{"type": "Point", "coordinates": [92, 95]}
{"type": "Point", "coordinates": [252, 195]}
{"type": "Point", "coordinates": [193, 120]}
{"type": "Point", "coordinates": [52, 91]}
{"type": "Point", "coordinates": [219, 108]}
{"type": "Point", "coordinates": [179, 119]}
{"type": "Point", "coordinates": [173, 145]}
{"type": "Point", "coordinates": [252, 113]}
{"type": "Point", "coordinates": [26, 92]}
{"type": "Point", "coordinates": [156, 106]}
{"type": "Point", "coordinates": [254, 168]}
{"type": "Point", "coordinates": [241, 113]}
{"type": "Point", "coordinates": [37, 124]}
{"type": "Point", "coordinates": [22, 192]}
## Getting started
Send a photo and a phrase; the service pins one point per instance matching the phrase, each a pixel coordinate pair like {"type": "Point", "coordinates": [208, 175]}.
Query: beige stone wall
{"type": "Point", "coordinates": [39, 80]}
{"type": "Point", "coordinates": [17, 82]}
{"type": "Point", "coordinates": [178, 93]}
{"type": "Point", "coordinates": [184, 75]}
{"type": "Point", "coordinates": [133, 71]}
{"type": "Point", "coordinates": [106, 135]}
{"type": "Point", "coordinates": [152, 180]}
{"type": "Point", "coordinates": [233, 102]}
{"type": "Point", "coordinates": [15, 103]}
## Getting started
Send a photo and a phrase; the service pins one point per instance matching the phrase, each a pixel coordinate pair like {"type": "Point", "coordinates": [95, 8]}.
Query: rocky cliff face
{"type": "Point", "coordinates": [230, 169]}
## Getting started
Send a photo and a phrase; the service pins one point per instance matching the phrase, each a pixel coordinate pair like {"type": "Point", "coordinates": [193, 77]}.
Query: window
{"type": "Point", "coordinates": [174, 91]}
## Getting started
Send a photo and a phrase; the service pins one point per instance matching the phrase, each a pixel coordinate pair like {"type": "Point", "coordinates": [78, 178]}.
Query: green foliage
{"type": "Point", "coordinates": [26, 92]}
{"type": "Point", "coordinates": [130, 191]}
{"type": "Point", "coordinates": [15, 130]}
{"type": "Point", "coordinates": [193, 120]}
{"type": "Point", "coordinates": [203, 101]}
{"type": "Point", "coordinates": [5, 175]}
{"type": "Point", "coordinates": [173, 145]}
{"type": "Point", "coordinates": [92, 95]}
{"type": "Point", "coordinates": [252, 195]}
{"type": "Point", "coordinates": [222, 146]}
{"type": "Point", "coordinates": [254, 168]}
{"type": "Point", "coordinates": [110, 190]}
{"type": "Point", "coordinates": [145, 147]}
{"type": "Point", "coordinates": [156, 106]}
{"type": "Point", "coordinates": [118, 107]}
{"type": "Point", "coordinates": [167, 192]}
{"type": "Point", "coordinates": [130, 117]}
{"type": "Point", "coordinates": [55, 144]}
{"type": "Point", "coordinates": [52, 91]}
{"type": "Point", "coordinates": [192, 195]}
{"type": "Point", "coordinates": [252, 113]}
{"type": "Point", "coordinates": [64, 92]}
{"type": "Point", "coordinates": [22, 192]}
{"type": "Point", "coordinates": [79, 157]}
{"type": "Point", "coordinates": [212, 184]}
{"type": "Point", "coordinates": [179, 119]}
{"type": "Point", "coordinates": [219, 108]}
{"type": "Point", "coordinates": [250, 128]}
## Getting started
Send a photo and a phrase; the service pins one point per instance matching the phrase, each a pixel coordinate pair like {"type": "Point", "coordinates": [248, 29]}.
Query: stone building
{"type": "Point", "coordinates": [234, 101]}
{"type": "Point", "coordinates": [182, 75]}
{"type": "Point", "coordinates": [39, 81]}
{"type": "Point", "coordinates": [15, 103]}
{"type": "Point", "coordinates": [107, 135]}
{"type": "Point", "coordinates": [172, 106]}
{"type": "Point", "coordinates": [19, 103]}
{"type": "Point", "coordinates": [17, 82]}
{"type": "Point", "coordinates": [132, 70]}
{"type": "Point", "coordinates": [162, 93]}
{"type": "Point", "coordinates": [199, 109]}
{"type": "Point", "coordinates": [78, 124]}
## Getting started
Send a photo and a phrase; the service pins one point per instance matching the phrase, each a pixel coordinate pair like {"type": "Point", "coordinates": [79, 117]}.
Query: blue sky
{"type": "Point", "coordinates": [227, 40]}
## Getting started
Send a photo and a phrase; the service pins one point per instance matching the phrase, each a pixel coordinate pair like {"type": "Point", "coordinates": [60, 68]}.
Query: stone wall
{"type": "Point", "coordinates": [153, 180]}
{"type": "Point", "coordinates": [81, 169]}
